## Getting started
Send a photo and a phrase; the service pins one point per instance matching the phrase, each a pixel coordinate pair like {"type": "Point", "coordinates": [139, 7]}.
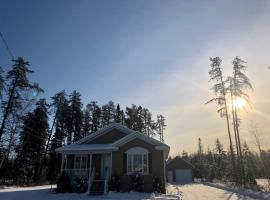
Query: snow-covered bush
{"type": "Point", "coordinates": [158, 185]}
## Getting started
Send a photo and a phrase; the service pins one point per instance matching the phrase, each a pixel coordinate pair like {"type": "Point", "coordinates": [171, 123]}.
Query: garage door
{"type": "Point", "coordinates": [183, 175]}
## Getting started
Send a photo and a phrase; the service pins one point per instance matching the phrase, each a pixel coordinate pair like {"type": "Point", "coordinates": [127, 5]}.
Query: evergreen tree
{"type": "Point", "coordinates": [17, 88]}
{"type": "Point", "coordinates": [95, 113]}
{"type": "Point", "coordinates": [108, 113]}
{"type": "Point", "coordinates": [118, 114]}
{"type": "Point", "coordinates": [75, 118]}
{"type": "Point", "coordinates": [32, 142]}
{"type": "Point", "coordinates": [86, 122]}
{"type": "Point", "coordinates": [160, 125]}
{"type": "Point", "coordinates": [220, 89]}
{"type": "Point", "coordinates": [220, 157]}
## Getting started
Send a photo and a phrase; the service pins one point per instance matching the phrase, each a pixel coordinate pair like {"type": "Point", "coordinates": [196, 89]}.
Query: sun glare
{"type": "Point", "coordinates": [239, 103]}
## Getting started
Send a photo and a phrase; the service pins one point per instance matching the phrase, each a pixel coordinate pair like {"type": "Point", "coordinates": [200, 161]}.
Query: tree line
{"type": "Point", "coordinates": [32, 128]}
{"type": "Point", "coordinates": [215, 163]}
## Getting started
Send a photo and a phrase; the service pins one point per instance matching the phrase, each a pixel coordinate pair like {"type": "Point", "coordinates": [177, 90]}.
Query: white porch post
{"type": "Point", "coordinates": [90, 165]}
{"type": "Point", "coordinates": [111, 167]}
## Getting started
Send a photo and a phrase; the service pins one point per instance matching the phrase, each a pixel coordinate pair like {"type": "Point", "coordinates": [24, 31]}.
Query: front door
{"type": "Point", "coordinates": [105, 165]}
{"type": "Point", "coordinates": [96, 163]}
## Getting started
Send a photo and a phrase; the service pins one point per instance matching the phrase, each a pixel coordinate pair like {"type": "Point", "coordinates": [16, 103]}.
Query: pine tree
{"type": "Point", "coordinates": [95, 113]}
{"type": "Point", "coordinates": [32, 142]}
{"type": "Point", "coordinates": [160, 125]}
{"type": "Point", "coordinates": [220, 89]}
{"type": "Point", "coordinates": [17, 87]}
{"type": "Point", "coordinates": [220, 157]}
{"type": "Point", "coordinates": [86, 122]}
{"type": "Point", "coordinates": [118, 114]}
{"type": "Point", "coordinates": [75, 118]}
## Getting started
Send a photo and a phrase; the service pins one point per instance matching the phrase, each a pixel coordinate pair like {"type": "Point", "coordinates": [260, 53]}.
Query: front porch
{"type": "Point", "coordinates": [95, 168]}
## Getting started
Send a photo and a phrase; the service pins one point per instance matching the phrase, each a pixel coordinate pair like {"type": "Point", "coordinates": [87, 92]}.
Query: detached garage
{"type": "Point", "coordinates": [179, 171]}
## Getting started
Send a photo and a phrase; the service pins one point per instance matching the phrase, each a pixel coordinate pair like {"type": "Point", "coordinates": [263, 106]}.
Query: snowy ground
{"type": "Point", "coordinates": [264, 184]}
{"type": "Point", "coordinates": [195, 191]}
{"type": "Point", "coordinates": [46, 193]}
{"type": "Point", "coordinates": [210, 191]}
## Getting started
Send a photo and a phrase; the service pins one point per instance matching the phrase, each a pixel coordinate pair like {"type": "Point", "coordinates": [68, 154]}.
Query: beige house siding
{"type": "Point", "coordinates": [108, 138]}
{"type": "Point", "coordinates": [157, 164]}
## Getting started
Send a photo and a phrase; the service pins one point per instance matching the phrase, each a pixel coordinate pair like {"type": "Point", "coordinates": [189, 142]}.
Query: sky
{"type": "Point", "coordinates": [147, 52]}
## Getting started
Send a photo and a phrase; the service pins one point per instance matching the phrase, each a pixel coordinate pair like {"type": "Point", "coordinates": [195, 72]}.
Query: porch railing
{"type": "Point", "coordinates": [77, 172]}
{"type": "Point", "coordinates": [90, 180]}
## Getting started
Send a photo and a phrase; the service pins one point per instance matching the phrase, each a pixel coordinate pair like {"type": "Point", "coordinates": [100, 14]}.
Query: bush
{"type": "Point", "coordinates": [137, 183]}
{"type": "Point", "coordinates": [81, 185]}
{"type": "Point", "coordinates": [115, 183]}
{"type": "Point", "coordinates": [158, 185]}
{"type": "Point", "coordinates": [63, 183]}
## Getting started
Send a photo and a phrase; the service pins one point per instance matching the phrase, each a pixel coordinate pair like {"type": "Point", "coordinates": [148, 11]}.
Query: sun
{"type": "Point", "coordinates": [239, 103]}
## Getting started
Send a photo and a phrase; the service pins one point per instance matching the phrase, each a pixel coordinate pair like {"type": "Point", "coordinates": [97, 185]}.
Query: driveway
{"type": "Point", "coordinates": [208, 191]}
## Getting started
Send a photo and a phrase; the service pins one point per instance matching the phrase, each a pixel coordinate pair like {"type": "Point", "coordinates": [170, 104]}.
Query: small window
{"type": "Point", "coordinates": [80, 162]}
{"type": "Point", "coordinates": [137, 160]}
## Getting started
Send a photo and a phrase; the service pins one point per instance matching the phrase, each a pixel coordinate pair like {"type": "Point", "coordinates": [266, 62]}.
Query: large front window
{"type": "Point", "coordinates": [137, 160]}
{"type": "Point", "coordinates": [80, 162]}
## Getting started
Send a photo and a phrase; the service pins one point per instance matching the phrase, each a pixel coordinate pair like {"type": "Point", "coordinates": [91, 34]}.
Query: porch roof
{"type": "Point", "coordinates": [86, 148]}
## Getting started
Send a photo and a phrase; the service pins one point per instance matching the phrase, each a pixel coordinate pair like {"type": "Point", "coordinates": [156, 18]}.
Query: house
{"type": "Point", "coordinates": [115, 151]}
{"type": "Point", "coordinates": [179, 170]}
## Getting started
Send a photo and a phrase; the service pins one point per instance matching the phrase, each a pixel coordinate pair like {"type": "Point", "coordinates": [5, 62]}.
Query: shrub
{"type": "Point", "coordinates": [81, 185]}
{"type": "Point", "coordinates": [63, 183]}
{"type": "Point", "coordinates": [115, 183]}
{"type": "Point", "coordinates": [137, 182]}
{"type": "Point", "coordinates": [158, 185]}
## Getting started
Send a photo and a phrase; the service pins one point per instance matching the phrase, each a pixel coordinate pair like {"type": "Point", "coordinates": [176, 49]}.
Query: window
{"type": "Point", "coordinates": [137, 160]}
{"type": "Point", "coordinates": [80, 162]}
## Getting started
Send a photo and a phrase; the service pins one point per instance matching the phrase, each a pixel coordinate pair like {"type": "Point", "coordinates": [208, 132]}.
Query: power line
{"type": "Point", "coordinates": [7, 47]}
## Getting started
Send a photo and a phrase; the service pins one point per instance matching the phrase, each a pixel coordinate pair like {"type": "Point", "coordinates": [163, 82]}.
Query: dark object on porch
{"type": "Point", "coordinates": [115, 183]}
{"type": "Point", "coordinates": [81, 185]}
{"type": "Point", "coordinates": [158, 185]}
{"type": "Point", "coordinates": [137, 182]}
{"type": "Point", "coordinates": [97, 187]}
{"type": "Point", "coordinates": [63, 183]}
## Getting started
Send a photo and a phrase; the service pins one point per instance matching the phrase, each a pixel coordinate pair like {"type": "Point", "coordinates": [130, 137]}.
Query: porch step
{"type": "Point", "coordinates": [97, 187]}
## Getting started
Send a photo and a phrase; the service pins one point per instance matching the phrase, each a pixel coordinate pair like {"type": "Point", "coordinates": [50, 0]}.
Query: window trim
{"type": "Point", "coordinates": [137, 151]}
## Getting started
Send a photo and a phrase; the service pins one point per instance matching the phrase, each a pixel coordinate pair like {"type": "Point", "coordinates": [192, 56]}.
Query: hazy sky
{"type": "Point", "coordinates": [152, 53]}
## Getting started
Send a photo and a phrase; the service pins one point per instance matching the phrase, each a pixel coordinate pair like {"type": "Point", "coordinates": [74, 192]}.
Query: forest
{"type": "Point", "coordinates": [238, 164]}
{"type": "Point", "coordinates": [33, 127]}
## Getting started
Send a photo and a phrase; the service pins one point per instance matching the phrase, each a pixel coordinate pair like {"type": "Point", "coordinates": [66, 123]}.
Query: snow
{"type": "Point", "coordinates": [264, 184]}
{"type": "Point", "coordinates": [211, 191]}
{"type": "Point", "coordinates": [194, 191]}
{"type": "Point", "coordinates": [46, 193]}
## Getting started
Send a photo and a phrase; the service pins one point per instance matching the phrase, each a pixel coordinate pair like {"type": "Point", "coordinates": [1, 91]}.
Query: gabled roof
{"type": "Point", "coordinates": [130, 135]}
{"type": "Point", "coordinates": [104, 131]}
{"type": "Point", "coordinates": [178, 158]}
